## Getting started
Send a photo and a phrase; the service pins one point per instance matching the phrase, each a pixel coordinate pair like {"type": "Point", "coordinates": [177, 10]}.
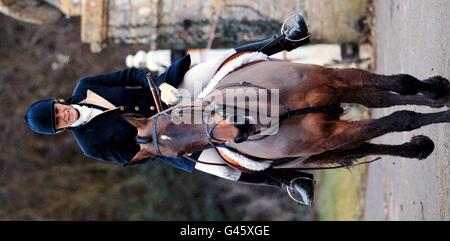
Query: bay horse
{"type": "Point", "coordinates": [320, 136]}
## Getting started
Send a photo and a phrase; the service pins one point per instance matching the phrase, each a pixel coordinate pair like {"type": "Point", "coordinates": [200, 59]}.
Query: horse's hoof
{"type": "Point", "coordinates": [440, 89]}
{"type": "Point", "coordinates": [443, 102]}
{"type": "Point", "coordinates": [423, 146]}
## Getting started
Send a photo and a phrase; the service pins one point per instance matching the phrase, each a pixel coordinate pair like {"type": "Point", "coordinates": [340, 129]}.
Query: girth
{"type": "Point", "coordinates": [329, 109]}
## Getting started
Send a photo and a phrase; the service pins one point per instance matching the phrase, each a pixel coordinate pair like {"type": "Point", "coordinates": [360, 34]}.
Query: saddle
{"type": "Point", "coordinates": [231, 156]}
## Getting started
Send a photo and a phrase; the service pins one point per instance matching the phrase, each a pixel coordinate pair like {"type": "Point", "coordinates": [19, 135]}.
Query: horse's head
{"type": "Point", "coordinates": [173, 135]}
{"type": "Point", "coordinates": [153, 140]}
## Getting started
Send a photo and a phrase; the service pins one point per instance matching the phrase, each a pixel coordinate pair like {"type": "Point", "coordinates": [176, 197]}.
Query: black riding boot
{"type": "Point", "coordinates": [283, 42]}
{"type": "Point", "coordinates": [300, 185]}
{"type": "Point", "coordinates": [259, 179]}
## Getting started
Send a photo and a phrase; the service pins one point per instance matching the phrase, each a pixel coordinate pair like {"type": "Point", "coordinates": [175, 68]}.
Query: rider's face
{"type": "Point", "coordinates": [65, 115]}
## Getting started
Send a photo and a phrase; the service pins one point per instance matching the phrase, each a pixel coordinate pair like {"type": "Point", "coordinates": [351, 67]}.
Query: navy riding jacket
{"type": "Point", "coordinates": [108, 136]}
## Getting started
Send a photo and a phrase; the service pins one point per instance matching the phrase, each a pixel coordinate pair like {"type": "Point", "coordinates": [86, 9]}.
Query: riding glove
{"type": "Point", "coordinates": [169, 94]}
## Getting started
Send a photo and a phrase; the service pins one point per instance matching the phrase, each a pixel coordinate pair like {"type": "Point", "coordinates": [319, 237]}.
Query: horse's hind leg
{"type": "Point", "coordinates": [434, 88]}
{"type": "Point", "coordinates": [376, 98]}
{"type": "Point", "coordinates": [419, 147]}
{"type": "Point", "coordinates": [346, 133]}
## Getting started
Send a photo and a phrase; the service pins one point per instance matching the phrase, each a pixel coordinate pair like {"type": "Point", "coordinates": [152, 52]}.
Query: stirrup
{"type": "Point", "coordinates": [283, 30]}
{"type": "Point", "coordinates": [301, 196]}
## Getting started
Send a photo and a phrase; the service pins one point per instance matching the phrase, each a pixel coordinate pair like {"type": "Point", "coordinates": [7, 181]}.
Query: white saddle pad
{"type": "Point", "coordinates": [229, 67]}
{"type": "Point", "coordinates": [244, 161]}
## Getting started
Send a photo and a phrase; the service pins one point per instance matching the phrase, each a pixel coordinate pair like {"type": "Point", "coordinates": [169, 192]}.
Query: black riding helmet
{"type": "Point", "coordinates": [40, 117]}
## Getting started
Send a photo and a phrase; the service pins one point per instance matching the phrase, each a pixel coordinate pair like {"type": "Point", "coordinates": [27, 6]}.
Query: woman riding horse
{"type": "Point", "coordinates": [93, 112]}
{"type": "Point", "coordinates": [309, 127]}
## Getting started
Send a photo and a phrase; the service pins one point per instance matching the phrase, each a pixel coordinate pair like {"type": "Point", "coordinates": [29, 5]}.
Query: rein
{"type": "Point", "coordinates": [155, 92]}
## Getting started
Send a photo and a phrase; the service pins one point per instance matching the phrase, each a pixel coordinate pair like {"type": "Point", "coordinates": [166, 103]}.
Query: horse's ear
{"type": "Point", "coordinates": [140, 157]}
{"type": "Point", "coordinates": [138, 121]}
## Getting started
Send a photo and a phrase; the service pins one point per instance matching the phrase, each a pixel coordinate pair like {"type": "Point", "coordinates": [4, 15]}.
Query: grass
{"type": "Point", "coordinates": [340, 193]}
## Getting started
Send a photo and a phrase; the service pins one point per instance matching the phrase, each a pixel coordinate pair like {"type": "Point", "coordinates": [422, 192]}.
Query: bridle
{"type": "Point", "coordinates": [157, 100]}
{"type": "Point", "coordinates": [154, 137]}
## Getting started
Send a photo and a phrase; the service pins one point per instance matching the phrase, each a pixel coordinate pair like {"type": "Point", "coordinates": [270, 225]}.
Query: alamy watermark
{"type": "Point", "coordinates": [257, 106]}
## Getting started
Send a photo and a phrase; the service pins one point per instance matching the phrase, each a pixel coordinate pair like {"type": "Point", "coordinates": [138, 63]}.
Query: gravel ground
{"type": "Point", "coordinates": [412, 37]}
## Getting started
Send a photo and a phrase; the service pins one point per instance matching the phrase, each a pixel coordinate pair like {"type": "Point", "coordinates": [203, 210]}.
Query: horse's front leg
{"type": "Point", "coordinates": [346, 133]}
{"type": "Point", "coordinates": [376, 98]}
{"type": "Point", "coordinates": [435, 88]}
{"type": "Point", "coordinates": [419, 147]}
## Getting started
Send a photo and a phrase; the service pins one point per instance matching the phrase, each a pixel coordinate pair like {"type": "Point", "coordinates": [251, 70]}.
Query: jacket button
{"type": "Point", "coordinates": [152, 107]}
{"type": "Point", "coordinates": [122, 108]}
{"type": "Point", "coordinates": [136, 108]}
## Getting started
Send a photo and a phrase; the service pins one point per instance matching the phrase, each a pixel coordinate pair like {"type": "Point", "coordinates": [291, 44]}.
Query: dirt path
{"type": "Point", "coordinates": [412, 37]}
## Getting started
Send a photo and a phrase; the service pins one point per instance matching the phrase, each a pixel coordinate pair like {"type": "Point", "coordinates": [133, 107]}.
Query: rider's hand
{"type": "Point", "coordinates": [169, 94]}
